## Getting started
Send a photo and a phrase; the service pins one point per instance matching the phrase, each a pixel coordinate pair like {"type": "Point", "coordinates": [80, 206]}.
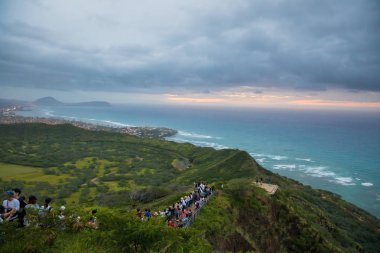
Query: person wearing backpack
{"type": "Point", "coordinates": [21, 211]}
{"type": "Point", "coordinates": [11, 207]}
{"type": "Point", "coordinates": [46, 208]}
{"type": "Point", "coordinates": [2, 210]}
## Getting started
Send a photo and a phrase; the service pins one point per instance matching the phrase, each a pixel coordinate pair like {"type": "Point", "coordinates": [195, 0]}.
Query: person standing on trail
{"type": "Point", "coordinates": [177, 212]}
{"type": "Point", "coordinates": [185, 220]}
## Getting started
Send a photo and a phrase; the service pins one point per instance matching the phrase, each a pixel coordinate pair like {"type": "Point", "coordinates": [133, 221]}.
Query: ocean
{"type": "Point", "coordinates": [338, 151]}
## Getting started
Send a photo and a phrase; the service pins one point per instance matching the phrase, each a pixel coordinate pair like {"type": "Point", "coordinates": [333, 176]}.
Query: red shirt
{"type": "Point", "coordinates": [171, 223]}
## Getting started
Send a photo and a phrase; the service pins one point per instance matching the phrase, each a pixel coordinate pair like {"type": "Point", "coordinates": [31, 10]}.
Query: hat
{"type": "Point", "coordinates": [10, 193]}
{"type": "Point", "coordinates": [62, 208]}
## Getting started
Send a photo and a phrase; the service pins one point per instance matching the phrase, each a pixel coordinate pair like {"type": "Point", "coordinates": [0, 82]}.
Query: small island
{"type": "Point", "coordinates": [50, 101]}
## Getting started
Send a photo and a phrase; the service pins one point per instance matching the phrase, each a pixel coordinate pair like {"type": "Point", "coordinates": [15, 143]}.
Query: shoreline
{"type": "Point", "coordinates": [148, 132]}
{"type": "Point", "coordinates": [308, 171]}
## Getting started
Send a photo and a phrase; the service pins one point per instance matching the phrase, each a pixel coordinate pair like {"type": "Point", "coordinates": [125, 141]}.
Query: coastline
{"type": "Point", "coordinates": [312, 168]}
{"type": "Point", "coordinates": [148, 132]}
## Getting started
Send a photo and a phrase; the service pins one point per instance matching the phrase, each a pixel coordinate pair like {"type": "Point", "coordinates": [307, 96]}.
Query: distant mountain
{"type": "Point", "coordinates": [50, 101]}
{"type": "Point", "coordinates": [47, 101]}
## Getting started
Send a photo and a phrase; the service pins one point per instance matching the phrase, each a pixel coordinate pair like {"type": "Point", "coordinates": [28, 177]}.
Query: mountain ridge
{"type": "Point", "coordinates": [51, 101]}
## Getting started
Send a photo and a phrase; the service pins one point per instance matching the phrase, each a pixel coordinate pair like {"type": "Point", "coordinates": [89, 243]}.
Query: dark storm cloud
{"type": "Point", "coordinates": [311, 45]}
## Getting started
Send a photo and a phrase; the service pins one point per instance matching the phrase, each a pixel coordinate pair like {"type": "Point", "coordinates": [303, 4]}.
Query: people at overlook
{"type": "Point", "coordinates": [179, 214]}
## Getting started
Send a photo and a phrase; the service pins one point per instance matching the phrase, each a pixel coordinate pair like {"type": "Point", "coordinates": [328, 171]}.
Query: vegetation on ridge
{"type": "Point", "coordinates": [116, 173]}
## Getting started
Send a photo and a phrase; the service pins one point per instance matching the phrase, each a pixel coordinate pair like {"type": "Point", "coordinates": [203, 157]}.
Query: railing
{"type": "Point", "coordinates": [197, 211]}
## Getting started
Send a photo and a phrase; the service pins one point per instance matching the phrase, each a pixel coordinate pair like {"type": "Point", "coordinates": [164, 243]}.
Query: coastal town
{"type": "Point", "coordinates": [8, 116]}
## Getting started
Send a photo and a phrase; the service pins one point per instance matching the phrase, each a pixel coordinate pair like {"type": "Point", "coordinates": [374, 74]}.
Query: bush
{"type": "Point", "coordinates": [149, 194]}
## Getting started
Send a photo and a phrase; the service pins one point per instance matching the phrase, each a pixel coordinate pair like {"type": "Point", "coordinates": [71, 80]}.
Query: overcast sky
{"type": "Point", "coordinates": [192, 51]}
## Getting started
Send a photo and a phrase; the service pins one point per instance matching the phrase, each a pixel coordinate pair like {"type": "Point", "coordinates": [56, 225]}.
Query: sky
{"type": "Point", "coordinates": [300, 53]}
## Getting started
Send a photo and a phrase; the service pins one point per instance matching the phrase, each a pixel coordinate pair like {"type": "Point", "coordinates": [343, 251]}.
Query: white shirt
{"type": "Point", "coordinates": [32, 206]}
{"type": "Point", "coordinates": [14, 203]}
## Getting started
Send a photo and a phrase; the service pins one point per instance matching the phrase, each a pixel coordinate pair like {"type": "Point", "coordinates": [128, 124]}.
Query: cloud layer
{"type": "Point", "coordinates": [197, 45]}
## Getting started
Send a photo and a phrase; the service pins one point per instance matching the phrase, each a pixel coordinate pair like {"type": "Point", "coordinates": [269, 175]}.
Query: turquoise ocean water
{"type": "Point", "coordinates": [335, 151]}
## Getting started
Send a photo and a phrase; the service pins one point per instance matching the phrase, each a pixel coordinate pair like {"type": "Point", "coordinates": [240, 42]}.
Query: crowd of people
{"type": "Point", "coordinates": [15, 209]}
{"type": "Point", "coordinates": [183, 212]}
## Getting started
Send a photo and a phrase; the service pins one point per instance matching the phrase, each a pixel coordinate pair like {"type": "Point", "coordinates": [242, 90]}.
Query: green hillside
{"type": "Point", "coordinates": [116, 173]}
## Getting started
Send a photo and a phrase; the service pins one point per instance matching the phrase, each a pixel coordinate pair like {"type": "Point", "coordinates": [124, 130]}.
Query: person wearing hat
{"type": "Point", "coordinates": [11, 206]}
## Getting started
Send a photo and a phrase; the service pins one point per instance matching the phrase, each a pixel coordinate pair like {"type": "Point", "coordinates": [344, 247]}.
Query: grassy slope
{"type": "Point", "coordinates": [8, 171]}
{"type": "Point", "coordinates": [109, 167]}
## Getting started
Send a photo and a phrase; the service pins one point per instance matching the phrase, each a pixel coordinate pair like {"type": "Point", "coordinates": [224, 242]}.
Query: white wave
{"type": "Point", "coordinates": [260, 160]}
{"type": "Point", "coordinates": [304, 159]}
{"type": "Point", "coordinates": [289, 167]}
{"type": "Point", "coordinates": [317, 171]}
{"type": "Point", "coordinates": [368, 184]}
{"type": "Point", "coordinates": [278, 157]}
{"type": "Point", "coordinates": [357, 178]}
{"type": "Point", "coordinates": [114, 123]}
{"type": "Point", "coordinates": [49, 113]}
{"type": "Point", "coordinates": [344, 181]}
{"type": "Point", "coordinates": [68, 117]}
{"type": "Point", "coordinates": [273, 157]}
{"type": "Point", "coordinates": [195, 135]}
{"type": "Point", "coordinates": [101, 122]}
{"type": "Point", "coordinates": [313, 171]}
{"type": "Point", "coordinates": [98, 121]}
{"type": "Point", "coordinates": [199, 143]}
{"type": "Point", "coordinates": [257, 155]}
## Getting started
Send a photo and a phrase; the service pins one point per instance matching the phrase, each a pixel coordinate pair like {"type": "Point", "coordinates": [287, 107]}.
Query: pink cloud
{"type": "Point", "coordinates": [336, 103]}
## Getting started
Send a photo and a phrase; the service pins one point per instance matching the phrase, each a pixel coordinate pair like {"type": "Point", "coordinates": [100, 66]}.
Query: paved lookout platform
{"type": "Point", "coordinates": [270, 188]}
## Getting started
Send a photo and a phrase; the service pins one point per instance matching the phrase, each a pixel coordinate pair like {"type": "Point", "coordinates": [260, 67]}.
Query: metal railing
{"type": "Point", "coordinates": [198, 211]}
